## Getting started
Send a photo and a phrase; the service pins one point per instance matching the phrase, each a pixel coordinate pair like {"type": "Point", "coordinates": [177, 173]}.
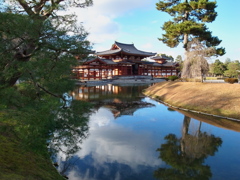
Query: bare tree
{"type": "Point", "coordinates": [196, 62]}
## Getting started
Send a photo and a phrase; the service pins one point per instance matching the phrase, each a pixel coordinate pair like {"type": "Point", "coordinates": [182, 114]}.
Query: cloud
{"type": "Point", "coordinates": [100, 19]}
{"type": "Point", "coordinates": [154, 22]}
{"type": "Point", "coordinates": [118, 8]}
{"type": "Point", "coordinates": [106, 118]}
{"type": "Point", "coordinates": [111, 142]}
{"type": "Point", "coordinates": [147, 46]}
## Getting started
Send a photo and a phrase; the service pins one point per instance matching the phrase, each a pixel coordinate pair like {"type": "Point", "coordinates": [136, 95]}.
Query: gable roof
{"type": "Point", "coordinates": [128, 49]}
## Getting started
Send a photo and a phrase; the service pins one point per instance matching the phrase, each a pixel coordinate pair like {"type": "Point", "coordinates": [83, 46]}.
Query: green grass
{"type": "Point", "coordinates": [20, 163]}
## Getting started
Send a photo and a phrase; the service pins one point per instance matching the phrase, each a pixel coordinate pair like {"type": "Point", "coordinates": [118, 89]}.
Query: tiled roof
{"type": "Point", "coordinates": [108, 52]}
{"type": "Point", "coordinates": [108, 61]}
{"type": "Point", "coordinates": [158, 64]}
{"type": "Point", "coordinates": [105, 61]}
{"type": "Point", "coordinates": [125, 48]}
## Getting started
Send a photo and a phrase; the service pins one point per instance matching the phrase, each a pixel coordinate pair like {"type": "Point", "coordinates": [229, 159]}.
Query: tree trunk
{"type": "Point", "coordinates": [185, 128]}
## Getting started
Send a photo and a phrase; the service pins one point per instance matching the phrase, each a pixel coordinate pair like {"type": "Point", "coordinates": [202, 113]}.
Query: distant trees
{"type": "Point", "coordinates": [217, 68]}
{"type": "Point", "coordinates": [179, 60]}
{"type": "Point", "coordinates": [228, 68]}
{"type": "Point", "coordinates": [232, 69]}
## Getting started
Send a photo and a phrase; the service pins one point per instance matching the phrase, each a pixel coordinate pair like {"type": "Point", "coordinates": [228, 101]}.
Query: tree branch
{"type": "Point", "coordinates": [26, 7]}
{"type": "Point", "coordinates": [45, 90]}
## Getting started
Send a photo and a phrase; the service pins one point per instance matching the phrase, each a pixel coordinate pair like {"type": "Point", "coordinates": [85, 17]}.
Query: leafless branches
{"type": "Point", "coordinates": [195, 64]}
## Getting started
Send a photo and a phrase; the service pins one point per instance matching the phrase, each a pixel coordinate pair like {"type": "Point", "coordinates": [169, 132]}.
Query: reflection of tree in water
{"type": "Point", "coordinates": [186, 155]}
{"type": "Point", "coordinates": [71, 128]}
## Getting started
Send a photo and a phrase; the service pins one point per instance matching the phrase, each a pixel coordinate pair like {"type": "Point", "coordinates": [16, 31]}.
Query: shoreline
{"type": "Point", "coordinates": [219, 100]}
{"type": "Point", "coordinates": [194, 111]}
{"type": "Point", "coordinates": [122, 80]}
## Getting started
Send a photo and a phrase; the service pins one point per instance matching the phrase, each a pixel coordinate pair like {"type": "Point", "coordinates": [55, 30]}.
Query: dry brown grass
{"type": "Point", "coordinates": [214, 98]}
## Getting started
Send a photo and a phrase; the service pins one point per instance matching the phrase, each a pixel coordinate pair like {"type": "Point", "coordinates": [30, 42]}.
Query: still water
{"type": "Point", "coordinates": [132, 137]}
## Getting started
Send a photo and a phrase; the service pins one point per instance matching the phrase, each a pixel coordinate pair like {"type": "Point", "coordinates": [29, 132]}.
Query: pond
{"type": "Point", "coordinates": [132, 137]}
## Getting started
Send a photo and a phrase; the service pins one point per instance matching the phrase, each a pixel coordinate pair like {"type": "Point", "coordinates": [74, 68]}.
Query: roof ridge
{"type": "Point", "coordinates": [124, 43]}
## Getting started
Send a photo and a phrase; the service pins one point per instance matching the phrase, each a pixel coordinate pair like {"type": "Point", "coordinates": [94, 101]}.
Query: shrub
{"type": "Point", "coordinates": [231, 80]}
{"type": "Point", "coordinates": [172, 78]}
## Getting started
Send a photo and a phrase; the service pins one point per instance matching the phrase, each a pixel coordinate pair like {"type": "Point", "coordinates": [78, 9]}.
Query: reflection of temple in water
{"type": "Point", "coordinates": [120, 100]}
{"type": "Point", "coordinates": [107, 92]}
{"type": "Point", "coordinates": [125, 108]}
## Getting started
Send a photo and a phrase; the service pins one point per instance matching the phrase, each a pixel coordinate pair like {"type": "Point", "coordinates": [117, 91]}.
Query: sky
{"type": "Point", "coordinates": [139, 22]}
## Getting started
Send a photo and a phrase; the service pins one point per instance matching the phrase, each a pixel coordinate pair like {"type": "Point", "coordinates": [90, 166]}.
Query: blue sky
{"type": "Point", "coordinates": [140, 23]}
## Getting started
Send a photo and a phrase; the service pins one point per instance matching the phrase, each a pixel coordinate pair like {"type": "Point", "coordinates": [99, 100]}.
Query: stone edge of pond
{"type": "Point", "coordinates": [119, 81]}
{"type": "Point", "coordinates": [189, 110]}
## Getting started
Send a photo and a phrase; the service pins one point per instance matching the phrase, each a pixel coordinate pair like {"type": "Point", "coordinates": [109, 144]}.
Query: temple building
{"type": "Point", "coordinates": [125, 60]}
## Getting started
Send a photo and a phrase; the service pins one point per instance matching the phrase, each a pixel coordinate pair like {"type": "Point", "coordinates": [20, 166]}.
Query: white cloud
{"type": "Point", "coordinates": [111, 142]}
{"type": "Point", "coordinates": [117, 8]}
{"type": "Point", "coordinates": [100, 19]}
{"type": "Point", "coordinates": [106, 118]}
{"type": "Point", "coordinates": [147, 46]}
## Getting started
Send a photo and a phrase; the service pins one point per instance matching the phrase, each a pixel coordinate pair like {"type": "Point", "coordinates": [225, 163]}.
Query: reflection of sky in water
{"type": "Point", "coordinates": [113, 144]}
{"type": "Point", "coordinates": [125, 147]}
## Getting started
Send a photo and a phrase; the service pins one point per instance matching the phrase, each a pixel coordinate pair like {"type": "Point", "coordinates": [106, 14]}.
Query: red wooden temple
{"type": "Point", "coordinates": [125, 60]}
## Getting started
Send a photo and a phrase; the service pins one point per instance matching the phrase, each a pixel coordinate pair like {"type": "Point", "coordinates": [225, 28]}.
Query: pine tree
{"type": "Point", "coordinates": [38, 48]}
{"type": "Point", "coordinates": [189, 18]}
{"type": "Point", "coordinates": [37, 45]}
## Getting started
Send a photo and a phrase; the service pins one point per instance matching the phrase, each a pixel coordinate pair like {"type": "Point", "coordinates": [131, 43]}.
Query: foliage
{"type": "Point", "coordinates": [179, 60]}
{"type": "Point", "coordinates": [231, 80]}
{"type": "Point", "coordinates": [37, 121]}
{"type": "Point", "coordinates": [38, 49]}
{"type": "Point", "coordinates": [218, 68]}
{"type": "Point", "coordinates": [172, 78]}
{"type": "Point", "coordinates": [233, 69]}
{"type": "Point", "coordinates": [45, 54]}
{"type": "Point", "coordinates": [188, 23]}
{"type": "Point", "coordinates": [43, 9]}
{"type": "Point", "coordinates": [228, 68]}
{"type": "Point", "coordinates": [227, 61]}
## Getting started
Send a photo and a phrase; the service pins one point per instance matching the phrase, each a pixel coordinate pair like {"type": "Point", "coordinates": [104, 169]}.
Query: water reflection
{"type": "Point", "coordinates": [133, 137]}
{"type": "Point", "coordinates": [108, 92]}
{"type": "Point", "coordinates": [114, 151]}
{"type": "Point", "coordinates": [71, 128]}
{"type": "Point", "coordinates": [186, 155]}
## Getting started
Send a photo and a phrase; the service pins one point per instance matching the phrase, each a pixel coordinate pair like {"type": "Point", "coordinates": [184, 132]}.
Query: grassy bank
{"type": "Point", "coordinates": [214, 98]}
{"type": "Point", "coordinates": [18, 161]}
